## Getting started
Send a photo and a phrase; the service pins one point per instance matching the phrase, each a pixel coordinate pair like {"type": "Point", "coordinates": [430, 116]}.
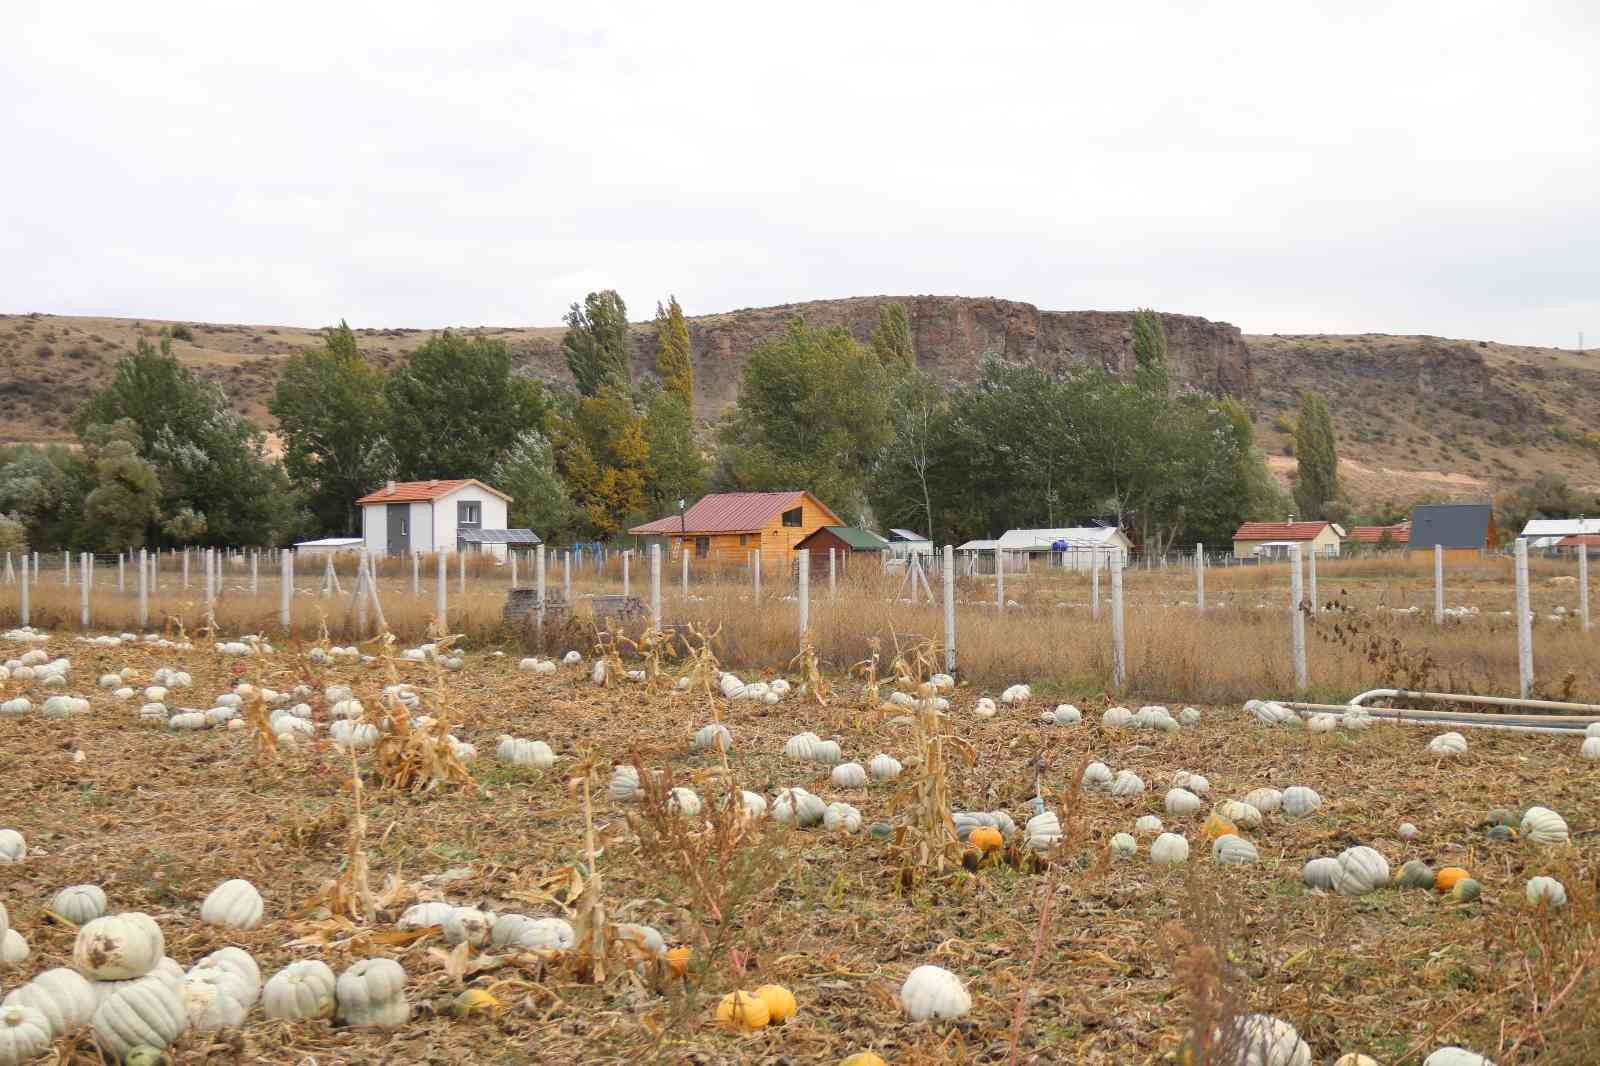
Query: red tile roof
{"type": "Point", "coordinates": [1399, 533]}
{"type": "Point", "coordinates": [1280, 530]}
{"type": "Point", "coordinates": [1575, 539]}
{"type": "Point", "coordinates": [731, 512]}
{"type": "Point", "coordinates": [418, 491]}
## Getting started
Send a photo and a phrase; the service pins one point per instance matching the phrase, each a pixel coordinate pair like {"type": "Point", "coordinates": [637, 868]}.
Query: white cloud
{"type": "Point", "coordinates": [1422, 167]}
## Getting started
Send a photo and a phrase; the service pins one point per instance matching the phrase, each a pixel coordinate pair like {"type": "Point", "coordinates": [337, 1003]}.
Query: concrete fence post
{"type": "Point", "coordinates": [186, 569]}
{"type": "Point", "coordinates": [121, 581]}
{"type": "Point", "coordinates": [1119, 643]}
{"type": "Point", "coordinates": [416, 574]}
{"type": "Point", "coordinates": [685, 554]}
{"type": "Point", "coordinates": [255, 572]}
{"type": "Point", "coordinates": [512, 552]}
{"type": "Point", "coordinates": [803, 590]}
{"type": "Point", "coordinates": [833, 576]}
{"type": "Point", "coordinates": [144, 591]}
{"type": "Point", "coordinates": [361, 592]}
{"type": "Point", "coordinates": [999, 580]}
{"type": "Point", "coordinates": [1524, 622]}
{"type": "Point", "coordinates": [22, 604]}
{"type": "Point", "coordinates": [1297, 620]}
{"type": "Point", "coordinates": [1200, 576]}
{"type": "Point", "coordinates": [627, 577]}
{"type": "Point", "coordinates": [949, 609]}
{"type": "Point", "coordinates": [566, 577]}
{"type": "Point", "coordinates": [538, 577]}
{"type": "Point", "coordinates": [1583, 586]}
{"type": "Point", "coordinates": [755, 572]}
{"type": "Point", "coordinates": [441, 594]}
{"type": "Point", "coordinates": [1094, 584]}
{"type": "Point", "coordinates": [461, 571]}
{"type": "Point", "coordinates": [87, 561]}
{"type": "Point", "coordinates": [1311, 573]}
{"type": "Point", "coordinates": [655, 586]}
{"type": "Point", "coordinates": [286, 590]}
{"type": "Point", "coordinates": [1438, 584]}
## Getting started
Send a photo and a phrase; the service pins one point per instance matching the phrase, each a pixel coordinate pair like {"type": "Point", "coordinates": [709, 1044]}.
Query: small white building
{"type": "Point", "coordinates": [426, 516]}
{"type": "Point", "coordinates": [327, 546]}
{"type": "Point", "coordinates": [904, 543]}
{"type": "Point", "coordinates": [1542, 534]}
{"type": "Point", "coordinates": [1073, 548]}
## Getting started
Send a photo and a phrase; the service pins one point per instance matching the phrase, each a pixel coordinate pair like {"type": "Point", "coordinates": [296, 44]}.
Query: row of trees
{"type": "Point", "coordinates": [163, 459]}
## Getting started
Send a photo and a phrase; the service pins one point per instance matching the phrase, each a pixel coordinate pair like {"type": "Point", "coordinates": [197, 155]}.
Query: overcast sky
{"type": "Point", "coordinates": [1285, 166]}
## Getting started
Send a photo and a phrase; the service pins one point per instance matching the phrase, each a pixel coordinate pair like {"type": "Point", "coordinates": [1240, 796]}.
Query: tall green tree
{"type": "Point", "coordinates": [596, 344]}
{"type": "Point", "coordinates": [1316, 453]}
{"type": "Point", "coordinates": [210, 458]}
{"type": "Point", "coordinates": [891, 338]}
{"type": "Point", "coordinates": [334, 422]}
{"type": "Point", "coordinates": [674, 359]}
{"type": "Point", "coordinates": [539, 501]}
{"type": "Point", "coordinates": [1150, 351]}
{"type": "Point", "coordinates": [812, 414]}
{"type": "Point", "coordinates": [904, 477]}
{"type": "Point", "coordinates": [458, 407]}
{"type": "Point", "coordinates": [125, 500]}
{"type": "Point", "coordinates": [603, 452]}
{"type": "Point", "coordinates": [678, 470]}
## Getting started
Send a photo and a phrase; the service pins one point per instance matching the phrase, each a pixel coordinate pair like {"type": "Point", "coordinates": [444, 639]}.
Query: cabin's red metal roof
{"type": "Point", "coordinates": [1573, 540]}
{"type": "Point", "coordinates": [1280, 530]}
{"type": "Point", "coordinates": [418, 491]}
{"type": "Point", "coordinates": [727, 512]}
{"type": "Point", "coordinates": [1398, 533]}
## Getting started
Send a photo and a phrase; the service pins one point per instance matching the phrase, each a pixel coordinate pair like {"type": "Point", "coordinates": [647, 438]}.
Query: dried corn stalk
{"type": "Point", "coordinates": [409, 757]}
{"type": "Point", "coordinates": [928, 836]}
{"type": "Point", "coordinates": [591, 935]}
{"type": "Point", "coordinates": [703, 669]}
{"type": "Point", "coordinates": [812, 685]}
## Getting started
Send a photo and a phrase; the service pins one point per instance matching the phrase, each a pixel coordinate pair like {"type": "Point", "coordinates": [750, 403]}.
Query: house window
{"type": "Point", "coordinates": [744, 540]}
{"type": "Point", "coordinates": [469, 513]}
{"type": "Point", "coordinates": [702, 547]}
{"type": "Point", "coordinates": [793, 518]}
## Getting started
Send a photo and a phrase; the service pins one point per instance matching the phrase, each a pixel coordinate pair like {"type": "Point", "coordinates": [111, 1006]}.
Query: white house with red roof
{"type": "Point", "coordinates": [1271, 540]}
{"type": "Point", "coordinates": [424, 516]}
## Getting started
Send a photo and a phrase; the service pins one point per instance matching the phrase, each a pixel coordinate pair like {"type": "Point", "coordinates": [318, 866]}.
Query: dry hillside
{"type": "Point", "coordinates": [1416, 415]}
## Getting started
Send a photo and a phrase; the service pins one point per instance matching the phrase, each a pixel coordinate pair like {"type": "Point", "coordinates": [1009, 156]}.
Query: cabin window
{"type": "Point", "coordinates": [744, 539]}
{"type": "Point", "coordinates": [469, 513]}
{"type": "Point", "coordinates": [702, 547]}
{"type": "Point", "coordinates": [792, 519]}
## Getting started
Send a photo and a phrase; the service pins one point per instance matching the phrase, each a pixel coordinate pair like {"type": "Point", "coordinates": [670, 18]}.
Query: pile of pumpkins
{"type": "Point", "coordinates": [138, 1001]}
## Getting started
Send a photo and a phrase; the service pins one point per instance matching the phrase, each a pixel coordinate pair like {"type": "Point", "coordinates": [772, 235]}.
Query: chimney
{"type": "Point", "coordinates": [1291, 519]}
{"type": "Point", "coordinates": [390, 488]}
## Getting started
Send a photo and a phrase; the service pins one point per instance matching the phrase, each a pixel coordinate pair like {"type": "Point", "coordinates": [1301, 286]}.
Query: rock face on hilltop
{"type": "Point", "coordinates": [953, 335]}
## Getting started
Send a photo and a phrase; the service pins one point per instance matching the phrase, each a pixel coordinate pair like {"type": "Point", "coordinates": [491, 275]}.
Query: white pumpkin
{"type": "Point", "coordinates": [1546, 890]}
{"type": "Point", "coordinates": [753, 805]}
{"type": "Point", "coordinates": [146, 1011]}
{"type": "Point", "coordinates": [797, 807]}
{"type": "Point", "coordinates": [1127, 785]}
{"type": "Point", "coordinates": [985, 708]}
{"type": "Point", "coordinates": [826, 753]}
{"type": "Point", "coordinates": [1196, 783]}
{"type": "Point", "coordinates": [1016, 694]}
{"type": "Point", "coordinates": [1189, 716]}
{"type": "Point", "coordinates": [1231, 850]}
{"type": "Point", "coordinates": [1116, 718]}
{"type": "Point", "coordinates": [1299, 800]}
{"type": "Point", "coordinates": [932, 992]}
{"type": "Point", "coordinates": [25, 1033]}
{"type": "Point", "coordinates": [1355, 1058]}
{"type": "Point", "coordinates": [1357, 719]}
{"type": "Point", "coordinates": [1265, 800]}
{"type": "Point", "coordinates": [683, 802]}
{"type": "Point", "coordinates": [1448, 744]}
{"type": "Point", "coordinates": [234, 904]}
{"type": "Point", "coordinates": [422, 915]}
{"type": "Point", "coordinates": [1181, 803]}
{"type": "Point", "coordinates": [1261, 1040]}
{"type": "Point", "coordinates": [1361, 870]}
{"type": "Point", "coordinates": [529, 754]}
{"type": "Point", "coordinates": [624, 785]}
{"type": "Point", "coordinates": [1240, 814]}
{"type": "Point", "coordinates": [799, 746]}
{"type": "Point", "coordinates": [79, 903]}
{"type": "Point", "coordinates": [849, 775]}
{"type": "Point", "coordinates": [13, 848]}
{"type": "Point", "coordinates": [1043, 831]}
{"type": "Point", "coordinates": [118, 947]}
{"type": "Point", "coordinates": [299, 992]}
{"type": "Point", "coordinates": [14, 950]}
{"type": "Point", "coordinates": [467, 925]}
{"type": "Point", "coordinates": [188, 721]}
{"type": "Point", "coordinates": [1591, 748]}
{"type": "Point", "coordinates": [63, 996]}
{"type": "Point", "coordinates": [884, 768]}
{"type": "Point", "coordinates": [17, 706]}
{"type": "Point", "coordinates": [235, 961]}
{"type": "Point", "coordinates": [713, 737]}
{"type": "Point", "coordinates": [214, 999]}
{"type": "Point", "coordinates": [353, 736]}
{"type": "Point", "coordinates": [1541, 825]}
{"type": "Point", "coordinates": [1455, 1056]}
{"type": "Point", "coordinates": [1123, 845]}
{"type": "Point", "coordinates": [841, 816]}
{"type": "Point", "coordinates": [1320, 873]}
{"type": "Point", "coordinates": [1407, 831]}
{"type": "Point", "coordinates": [1065, 714]}
{"type": "Point", "coordinates": [1322, 723]}
{"type": "Point", "coordinates": [1097, 775]}
{"type": "Point", "coordinates": [1147, 825]}
{"type": "Point", "coordinates": [1169, 849]}
{"type": "Point", "coordinates": [541, 934]}
{"type": "Point", "coordinates": [372, 993]}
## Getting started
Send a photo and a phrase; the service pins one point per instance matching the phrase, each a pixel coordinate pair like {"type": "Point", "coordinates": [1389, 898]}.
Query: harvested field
{"type": "Point", "coordinates": [1069, 956]}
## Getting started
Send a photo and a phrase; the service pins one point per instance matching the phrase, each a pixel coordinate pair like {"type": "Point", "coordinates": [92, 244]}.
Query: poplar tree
{"type": "Point", "coordinates": [674, 359]}
{"type": "Point", "coordinates": [1316, 451]}
{"type": "Point", "coordinates": [596, 345]}
{"type": "Point", "coordinates": [891, 340]}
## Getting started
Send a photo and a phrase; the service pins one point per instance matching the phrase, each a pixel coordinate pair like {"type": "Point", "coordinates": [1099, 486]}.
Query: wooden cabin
{"type": "Point", "coordinates": [844, 541]}
{"type": "Point", "coordinates": [725, 527]}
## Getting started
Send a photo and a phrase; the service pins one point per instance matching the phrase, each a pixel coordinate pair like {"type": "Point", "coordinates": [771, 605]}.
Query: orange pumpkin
{"type": "Point", "coordinates": [678, 960]}
{"type": "Point", "coordinates": [743, 1010]}
{"type": "Point", "coordinates": [1446, 878]}
{"type": "Point", "coordinates": [864, 1058]}
{"type": "Point", "coordinates": [779, 1000]}
{"type": "Point", "coordinates": [1218, 826]}
{"type": "Point", "coordinates": [986, 838]}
